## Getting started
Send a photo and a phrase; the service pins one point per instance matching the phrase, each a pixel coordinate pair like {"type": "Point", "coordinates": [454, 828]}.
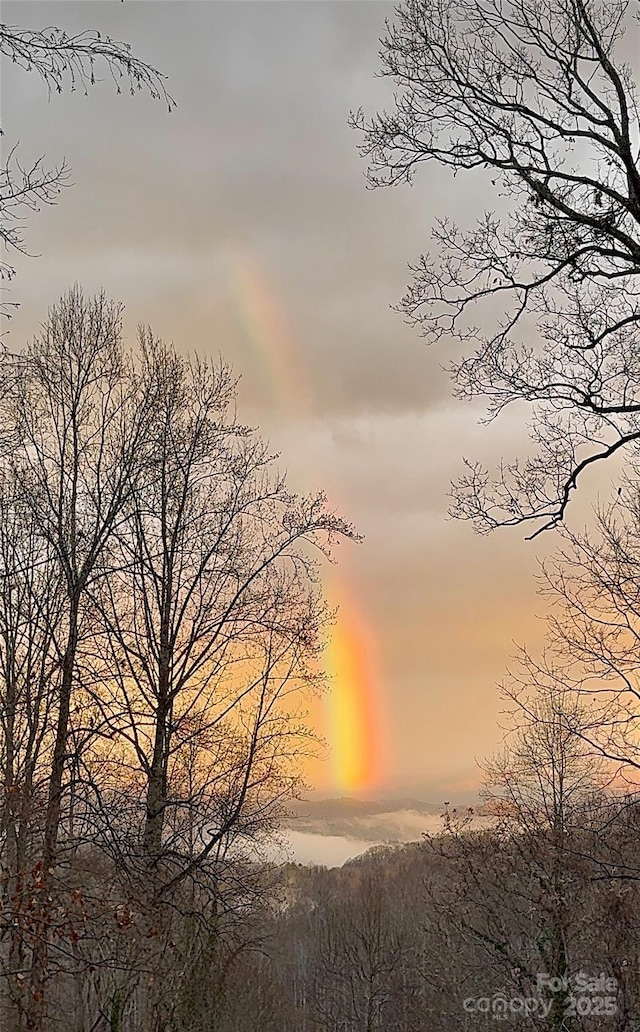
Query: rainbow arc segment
{"type": "Point", "coordinates": [352, 707]}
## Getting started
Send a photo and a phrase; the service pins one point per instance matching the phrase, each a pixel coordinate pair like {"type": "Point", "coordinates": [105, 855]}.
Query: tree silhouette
{"type": "Point", "coordinates": [542, 294]}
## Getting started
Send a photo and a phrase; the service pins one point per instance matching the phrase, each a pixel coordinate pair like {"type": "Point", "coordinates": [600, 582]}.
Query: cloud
{"type": "Point", "coordinates": [322, 850]}
{"type": "Point", "coordinates": [257, 155]}
{"type": "Point", "coordinates": [258, 159]}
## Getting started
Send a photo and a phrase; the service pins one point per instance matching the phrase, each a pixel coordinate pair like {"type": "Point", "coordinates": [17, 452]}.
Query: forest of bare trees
{"type": "Point", "coordinates": [524, 909]}
{"type": "Point", "coordinates": [162, 618]}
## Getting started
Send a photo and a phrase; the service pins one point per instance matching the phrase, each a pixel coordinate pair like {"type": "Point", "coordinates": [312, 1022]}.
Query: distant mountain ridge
{"type": "Point", "coordinates": [345, 806]}
{"type": "Point", "coordinates": [388, 820]}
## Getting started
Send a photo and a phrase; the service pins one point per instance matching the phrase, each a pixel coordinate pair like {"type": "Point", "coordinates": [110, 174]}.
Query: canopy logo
{"type": "Point", "coordinates": [577, 995]}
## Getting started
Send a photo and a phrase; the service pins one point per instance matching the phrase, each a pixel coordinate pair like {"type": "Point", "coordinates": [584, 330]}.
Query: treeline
{"type": "Point", "coordinates": [525, 908]}
{"type": "Point", "coordinates": [518, 918]}
{"type": "Point", "coordinates": [160, 623]}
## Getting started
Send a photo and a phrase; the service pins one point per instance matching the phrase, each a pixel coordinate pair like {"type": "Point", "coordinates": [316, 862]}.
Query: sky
{"type": "Point", "coordinates": [241, 223]}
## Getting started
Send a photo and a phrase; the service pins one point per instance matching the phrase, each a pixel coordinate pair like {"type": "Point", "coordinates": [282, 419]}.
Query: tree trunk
{"type": "Point", "coordinates": [36, 1018]}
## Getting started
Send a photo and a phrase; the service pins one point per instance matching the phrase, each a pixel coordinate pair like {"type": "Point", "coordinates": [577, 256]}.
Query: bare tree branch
{"type": "Point", "coordinates": [545, 292]}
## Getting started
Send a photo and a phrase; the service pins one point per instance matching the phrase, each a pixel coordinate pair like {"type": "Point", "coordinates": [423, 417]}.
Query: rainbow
{"type": "Point", "coordinates": [268, 338]}
{"type": "Point", "coordinates": [351, 709]}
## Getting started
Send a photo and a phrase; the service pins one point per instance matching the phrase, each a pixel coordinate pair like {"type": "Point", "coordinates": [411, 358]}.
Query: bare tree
{"type": "Point", "coordinates": [361, 941]}
{"type": "Point", "coordinates": [80, 431]}
{"type": "Point", "coordinates": [543, 292]}
{"type": "Point", "coordinates": [213, 624]}
{"type": "Point", "coordinates": [518, 897]}
{"type": "Point", "coordinates": [30, 611]}
{"type": "Point", "coordinates": [592, 583]}
{"type": "Point", "coordinates": [345, 952]}
{"type": "Point", "coordinates": [63, 62]}
{"type": "Point", "coordinates": [160, 621]}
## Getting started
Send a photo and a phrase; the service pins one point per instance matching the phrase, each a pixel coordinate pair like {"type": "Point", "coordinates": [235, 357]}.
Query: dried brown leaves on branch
{"type": "Point", "coordinates": [543, 294]}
